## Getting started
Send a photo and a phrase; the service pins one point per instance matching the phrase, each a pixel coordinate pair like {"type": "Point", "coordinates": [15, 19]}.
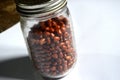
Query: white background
{"type": "Point", "coordinates": [97, 35]}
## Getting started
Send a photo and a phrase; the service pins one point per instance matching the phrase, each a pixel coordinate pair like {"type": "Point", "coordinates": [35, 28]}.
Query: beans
{"type": "Point", "coordinates": [42, 41]}
{"type": "Point", "coordinates": [47, 33]}
{"type": "Point", "coordinates": [68, 57]}
{"type": "Point", "coordinates": [56, 38]}
{"type": "Point", "coordinates": [59, 32]}
{"type": "Point", "coordinates": [53, 68]}
{"type": "Point", "coordinates": [51, 46]}
{"type": "Point", "coordinates": [52, 35]}
{"type": "Point", "coordinates": [60, 68]}
{"type": "Point", "coordinates": [63, 28]}
{"type": "Point", "coordinates": [52, 30]}
{"type": "Point", "coordinates": [59, 61]}
{"type": "Point", "coordinates": [55, 56]}
{"type": "Point", "coordinates": [60, 55]}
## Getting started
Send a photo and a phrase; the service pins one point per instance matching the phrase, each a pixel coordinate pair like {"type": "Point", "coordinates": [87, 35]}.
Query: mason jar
{"type": "Point", "coordinates": [48, 32]}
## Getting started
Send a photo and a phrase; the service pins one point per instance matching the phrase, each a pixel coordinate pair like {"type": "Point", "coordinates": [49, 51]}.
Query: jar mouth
{"type": "Point", "coordinates": [47, 7]}
{"type": "Point", "coordinates": [31, 2]}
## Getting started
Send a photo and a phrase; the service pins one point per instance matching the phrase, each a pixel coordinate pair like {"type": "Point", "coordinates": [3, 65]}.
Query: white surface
{"type": "Point", "coordinates": [98, 26]}
{"type": "Point", "coordinates": [97, 33]}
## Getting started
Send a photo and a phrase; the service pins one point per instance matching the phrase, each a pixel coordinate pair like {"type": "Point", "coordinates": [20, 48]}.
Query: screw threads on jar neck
{"type": "Point", "coordinates": [39, 7]}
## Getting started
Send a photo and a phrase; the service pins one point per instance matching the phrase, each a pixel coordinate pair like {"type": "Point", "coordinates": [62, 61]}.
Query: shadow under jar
{"type": "Point", "coordinates": [47, 29]}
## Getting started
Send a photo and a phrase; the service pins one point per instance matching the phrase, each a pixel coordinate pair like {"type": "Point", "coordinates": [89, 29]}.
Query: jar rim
{"type": "Point", "coordinates": [47, 7]}
{"type": "Point", "coordinates": [31, 2]}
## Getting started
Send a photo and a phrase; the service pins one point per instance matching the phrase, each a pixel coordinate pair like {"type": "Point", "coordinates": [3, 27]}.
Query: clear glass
{"type": "Point", "coordinates": [50, 42]}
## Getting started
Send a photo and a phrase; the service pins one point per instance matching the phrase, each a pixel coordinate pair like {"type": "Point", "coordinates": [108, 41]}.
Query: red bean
{"type": "Point", "coordinates": [51, 46]}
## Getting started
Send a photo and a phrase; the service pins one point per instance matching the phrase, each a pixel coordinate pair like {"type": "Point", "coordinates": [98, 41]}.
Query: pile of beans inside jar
{"type": "Point", "coordinates": [51, 46]}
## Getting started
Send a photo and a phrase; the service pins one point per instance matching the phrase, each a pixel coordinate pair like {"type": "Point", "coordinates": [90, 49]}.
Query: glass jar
{"type": "Point", "coordinates": [47, 29]}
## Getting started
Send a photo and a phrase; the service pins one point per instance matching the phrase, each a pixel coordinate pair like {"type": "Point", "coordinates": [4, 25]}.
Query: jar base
{"type": "Point", "coordinates": [39, 76]}
{"type": "Point", "coordinates": [47, 78]}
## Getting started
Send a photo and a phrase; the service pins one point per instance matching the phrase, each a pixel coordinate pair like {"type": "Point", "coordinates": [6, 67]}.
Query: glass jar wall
{"type": "Point", "coordinates": [50, 40]}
